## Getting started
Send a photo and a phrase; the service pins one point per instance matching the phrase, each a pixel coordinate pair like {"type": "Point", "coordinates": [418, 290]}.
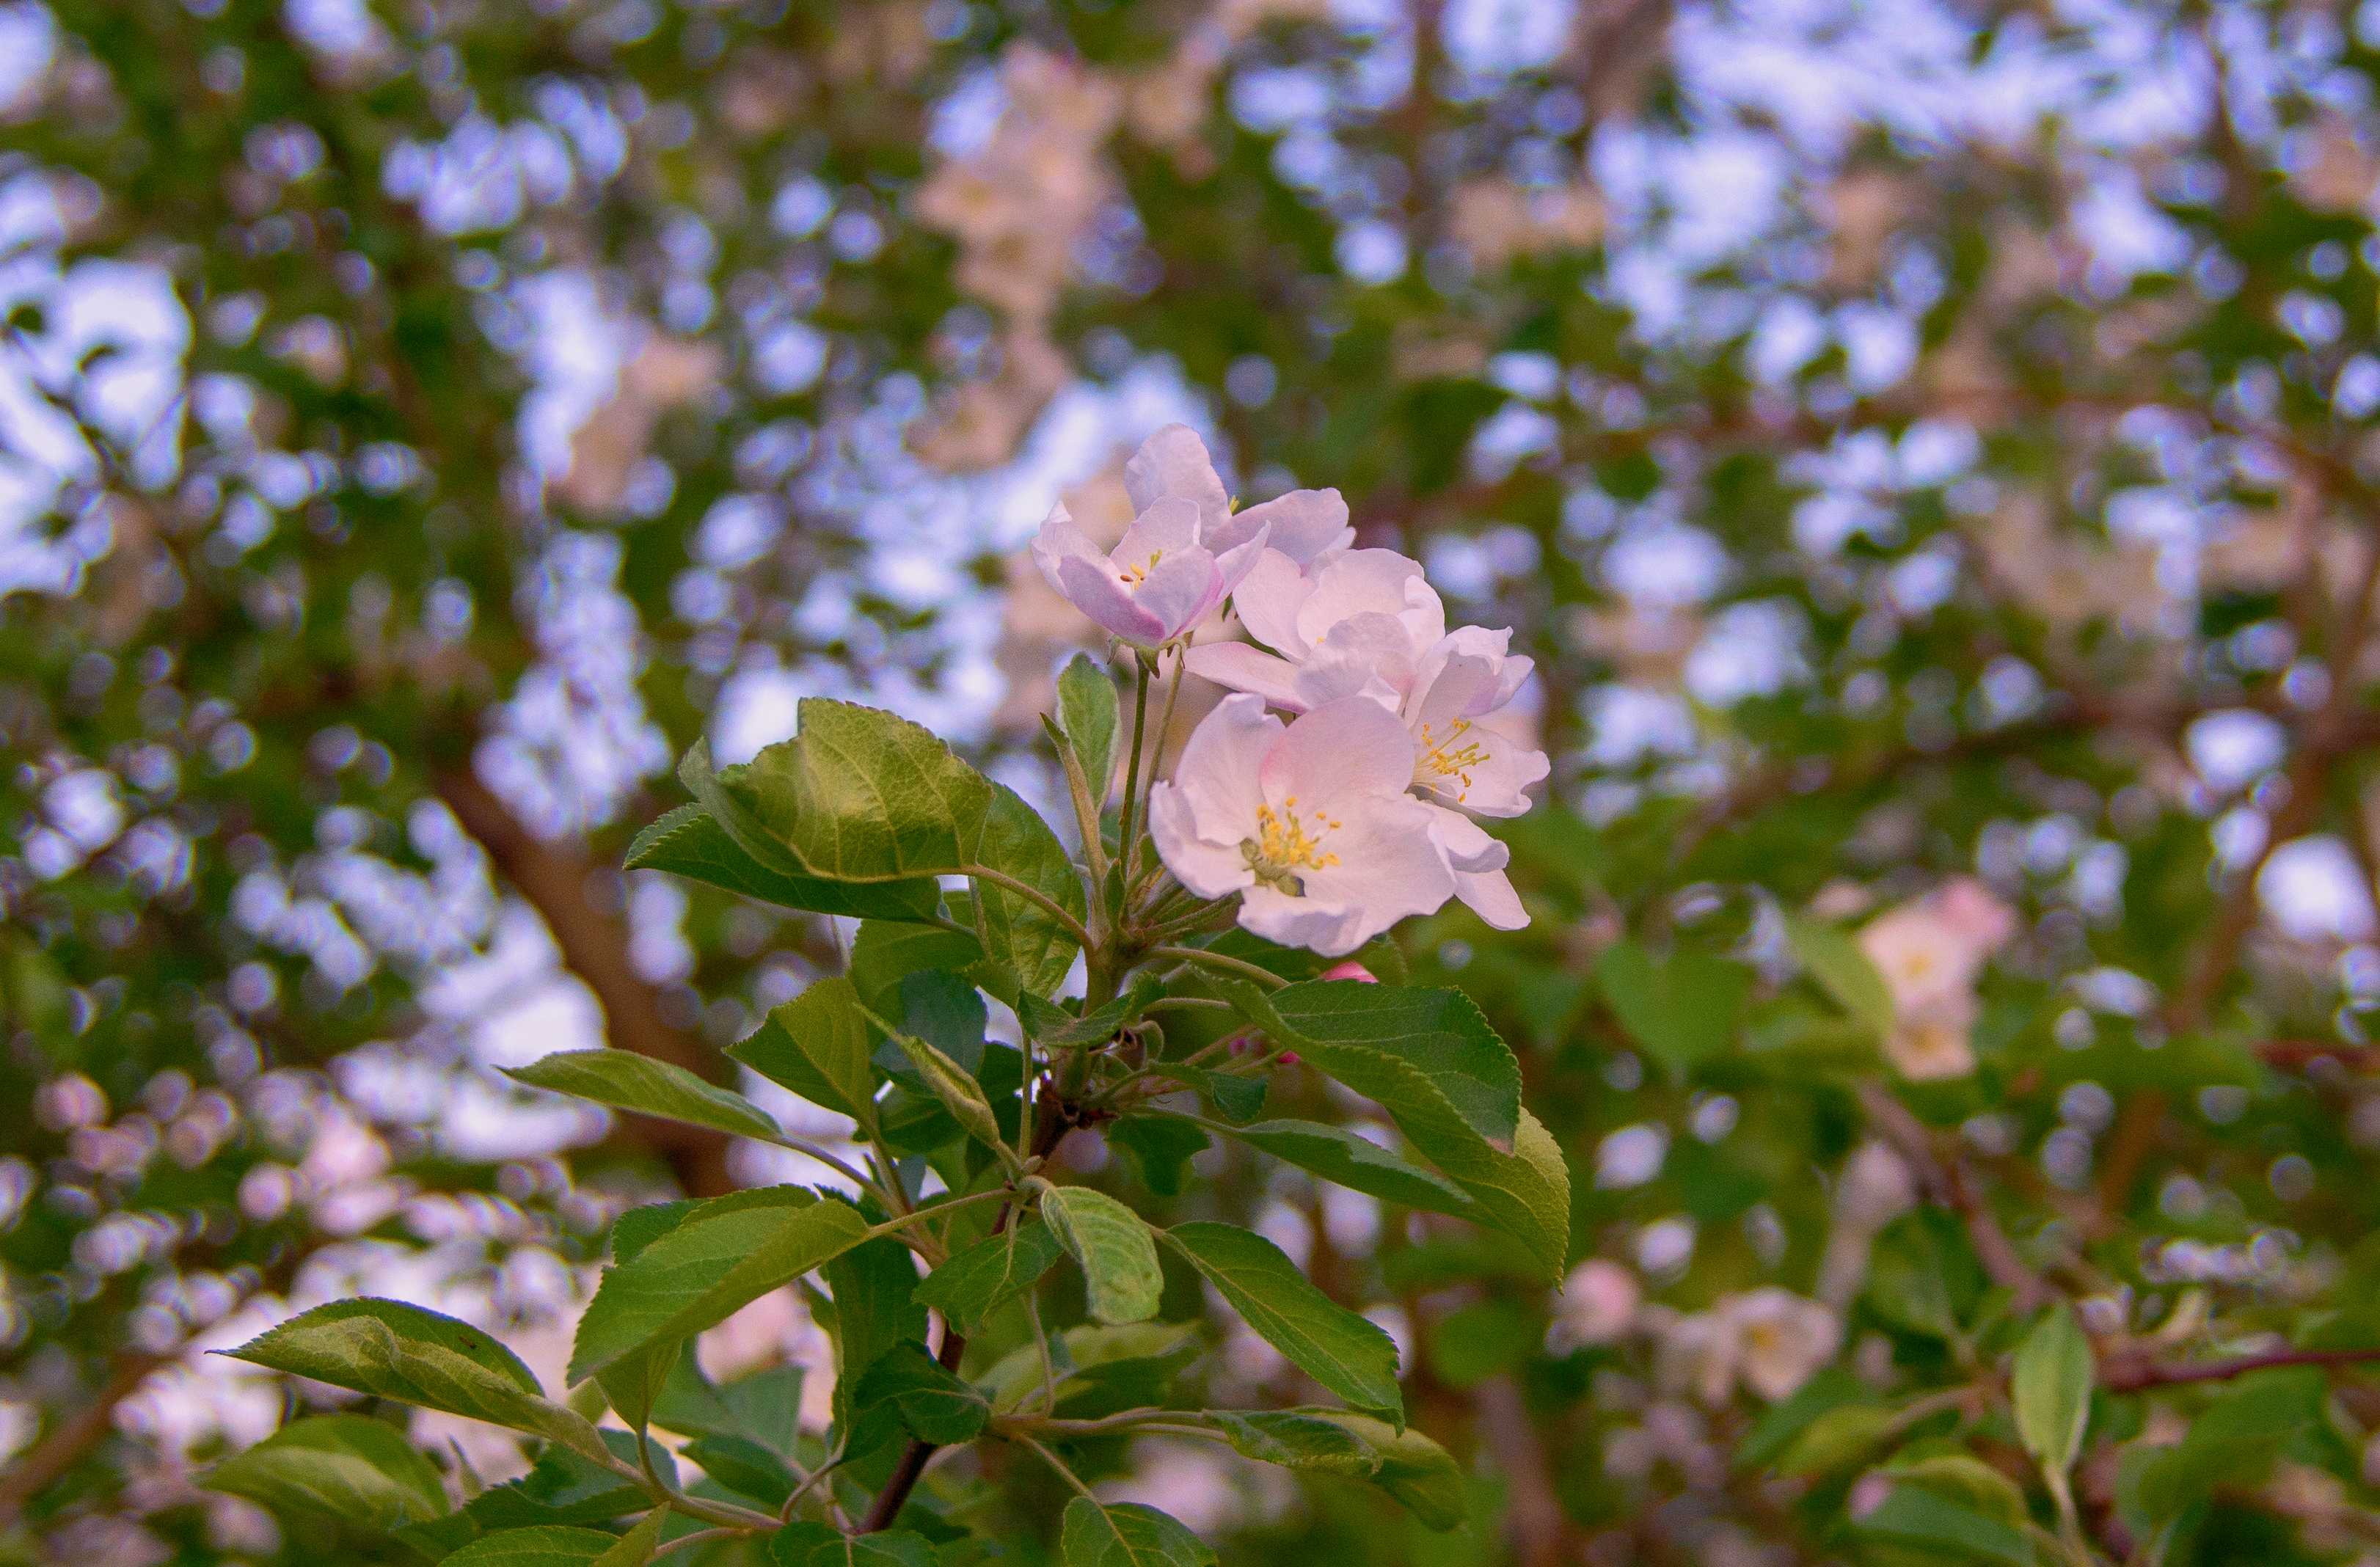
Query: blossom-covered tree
{"type": "Point", "coordinates": [1814, 564]}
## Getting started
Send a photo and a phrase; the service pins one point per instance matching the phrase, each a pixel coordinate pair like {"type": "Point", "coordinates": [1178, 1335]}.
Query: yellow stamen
{"type": "Point", "coordinates": [1133, 575]}
{"type": "Point", "coordinates": [1442, 758]}
{"type": "Point", "coordinates": [1284, 846]}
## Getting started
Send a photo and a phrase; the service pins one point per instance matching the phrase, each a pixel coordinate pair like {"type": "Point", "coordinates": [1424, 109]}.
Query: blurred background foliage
{"type": "Point", "coordinates": [1927, 448]}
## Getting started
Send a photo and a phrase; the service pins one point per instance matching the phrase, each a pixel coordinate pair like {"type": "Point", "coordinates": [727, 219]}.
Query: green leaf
{"type": "Point", "coordinates": [955, 1086]}
{"type": "Point", "coordinates": [2050, 1385]}
{"type": "Point", "coordinates": [1086, 716]}
{"type": "Point", "coordinates": [858, 794]}
{"type": "Point", "coordinates": [1236, 1099]}
{"type": "Point", "coordinates": [707, 1268]}
{"type": "Point", "coordinates": [565, 1487]}
{"type": "Point", "coordinates": [1118, 1258]}
{"type": "Point", "coordinates": [1916, 1517]}
{"type": "Point", "coordinates": [1356, 1162]}
{"type": "Point", "coordinates": [1078, 1355]}
{"type": "Point", "coordinates": [1835, 960]}
{"type": "Point", "coordinates": [400, 1351]}
{"type": "Point", "coordinates": [1053, 1025]}
{"type": "Point", "coordinates": [636, 1547]}
{"type": "Point", "coordinates": [1683, 1011]}
{"type": "Point", "coordinates": [2233, 1442]}
{"type": "Point", "coordinates": [1966, 1480]}
{"type": "Point", "coordinates": [1837, 1437]}
{"type": "Point", "coordinates": [1413, 1469]}
{"type": "Point", "coordinates": [744, 1466]}
{"type": "Point", "coordinates": [1439, 1033]}
{"type": "Point", "coordinates": [1128, 1535]}
{"type": "Point", "coordinates": [908, 1387]}
{"type": "Point", "coordinates": [947, 1012]}
{"type": "Point", "coordinates": [817, 1045]}
{"type": "Point", "coordinates": [886, 1548]}
{"type": "Point", "coordinates": [1524, 1191]}
{"type": "Point", "coordinates": [1296, 1439]}
{"type": "Point", "coordinates": [1922, 1273]}
{"type": "Point", "coordinates": [886, 951]}
{"type": "Point", "coordinates": [546, 1546]}
{"type": "Point", "coordinates": [347, 1465]}
{"type": "Point", "coordinates": [628, 1081]}
{"type": "Point", "coordinates": [875, 1307]}
{"type": "Point", "coordinates": [689, 842]}
{"type": "Point", "coordinates": [1159, 1147]}
{"type": "Point", "coordinates": [1321, 1338]}
{"type": "Point", "coordinates": [995, 1270]}
{"type": "Point", "coordinates": [1831, 1389]}
{"type": "Point", "coordinates": [790, 1546]}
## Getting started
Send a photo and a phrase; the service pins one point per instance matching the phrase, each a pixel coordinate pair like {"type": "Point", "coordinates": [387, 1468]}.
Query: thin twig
{"type": "Point", "coordinates": [2123, 1375]}
{"type": "Point", "coordinates": [1951, 1185]}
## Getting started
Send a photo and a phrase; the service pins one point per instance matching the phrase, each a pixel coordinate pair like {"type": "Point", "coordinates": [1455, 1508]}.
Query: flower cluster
{"type": "Point", "coordinates": [1931, 951]}
{"type": "Point", "coordinates": [1356, 810]}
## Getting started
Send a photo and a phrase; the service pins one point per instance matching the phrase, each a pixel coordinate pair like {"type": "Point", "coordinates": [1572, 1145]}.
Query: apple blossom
{"type": "Point", "coordinates": [1929, 952]}
{"type": "Point", "coordinates": [1770, 1339]}
{"type": "Point", "coordinates": [1453, 690]}
{"type": "Point", "coordinates": [1174, 463]}
{"type": "Point", "coordinates": [1596, 1304]}
{"type": "Point", "coordinates": [1308, 821]}
{"type": "Point", "coordinates": [1173, 568]}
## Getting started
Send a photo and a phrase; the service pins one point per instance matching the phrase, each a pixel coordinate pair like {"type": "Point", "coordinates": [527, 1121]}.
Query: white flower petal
{"type": "Point", "coordinates": [1269, 600]}
{"type": "Point", "coordinates": [1305, 523]}
{"type": "Point", "coordinates": [1209, 870]}
{"type": "Point", "coordinates": [1489, 894]}
{"type": "Point", "coordinates": [1174, 462]}
{"type": "Point", "coordinates": [1243, 668]}
{"type": "Point", "coordinates": [1220, 767]}
{"type": "Point", "coordinates": [1336, 757]}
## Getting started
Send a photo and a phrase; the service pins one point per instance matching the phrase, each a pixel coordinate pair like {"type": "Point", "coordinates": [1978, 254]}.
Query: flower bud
{"type": "Point", "coordinates": [1351, 970]}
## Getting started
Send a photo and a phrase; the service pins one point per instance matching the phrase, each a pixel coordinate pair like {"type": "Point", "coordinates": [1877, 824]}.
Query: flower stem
{"type": "Point", "coordinates": [1128, 839]}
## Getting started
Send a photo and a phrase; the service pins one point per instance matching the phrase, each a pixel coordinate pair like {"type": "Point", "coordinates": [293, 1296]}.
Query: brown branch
{"type": "Point", "coordinates": [2321, 738]}
{"type": "Point", "coordinates": [72, 1437]}
{"type": "Point", "coordinates": [2122, 1374]}
{"type": "Point", "coordinates": [552, 877]}
{"type": "Point", "coordinates": [1534, 1522]}
{"type": "Point", "coordinates": [1949, 1183]}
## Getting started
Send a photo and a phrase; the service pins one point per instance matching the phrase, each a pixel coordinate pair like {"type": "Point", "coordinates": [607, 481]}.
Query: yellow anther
{"type": "Point", "coordinates": [1282, 847]}
{"type": "Point", "coordinates": [1443, 759]}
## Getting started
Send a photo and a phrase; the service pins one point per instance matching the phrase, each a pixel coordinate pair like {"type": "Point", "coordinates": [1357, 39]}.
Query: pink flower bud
{"type": "Point", "coordinates": [1288, 1058]}
{"type": "Point", "coordinates": [1349, 970]}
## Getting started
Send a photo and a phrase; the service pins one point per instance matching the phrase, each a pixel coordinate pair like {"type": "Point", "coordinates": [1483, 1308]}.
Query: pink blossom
{"type": "Point", "coordinates": [1308, 821]}
{"type": "Point", "coordinates": [1173, 567]}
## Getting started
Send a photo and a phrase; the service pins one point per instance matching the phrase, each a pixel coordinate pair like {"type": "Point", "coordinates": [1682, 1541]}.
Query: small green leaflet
{"type": "Point", "coordinates": [689, 842]}
{"type": "Point", "coordinates": [636, 1547]}
{"type": "Point", "coordinates": [1439, 1033]}
{"type": "Point", "coordinates": [1337, 1155]}
{"type": "Point", "coordinates": [1159, 1147]}
{"type": "Point", "coordinates": [1408, 1465]}
{"type": "Point", "coordinates": [1413, 1469]}
{"type": "Point", "coordinates": [874, 1287]}
{"type": "Point", "coordinates": [743, 1465]}
{"type": "Point", "coordinates": [1295, 1440]}
{"type": "Point", "coordinates": [1835, 960]}
{"type": "Point", "coordinates": [907, 1386]}
{"type": "Point", "coordinates": [1119, 1260]}
{"type": "Point", "coordinates": [1523, 1190]}
{"type": "Point", "coordinates": [887, 1547]}
{"type": "Point", "coordinates": [817, 1045]}
{"type": "Point", "coordinates": [346, 1465]}
{"type": "Point", "coordinates": [1128, 1535]}
{"type": "Point", "coordinates": [2050, 1385]}
{"type": "Point", "coordinates": [956, 1088]}
{"type": "Point", "coordinates": [545, 1545]}
{"type": "Point", "coordinates": [1083, 1352]}
{"type": "Point", "coordinates": [1052, 1025]}
{"type": "Point", "coordinates": [1323, 1339]}
{"type": "Point", "coordinates": [625, 1080]}
{"type": "Point", "coordinates": [1919, 1519]}
{"type": "Point", "coordinates": [1086, 716]}
{"type": "Point", "coordinates": [1682, 1011]}
{"type": "Point", "coordinates": [859, 795]}
{"type": "Point", "coordinates": [703, 1271]}
{"type": "Point", "coordinates": [995, 1270]}
{"type": "Point", "coordinates": [400, 1351]}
